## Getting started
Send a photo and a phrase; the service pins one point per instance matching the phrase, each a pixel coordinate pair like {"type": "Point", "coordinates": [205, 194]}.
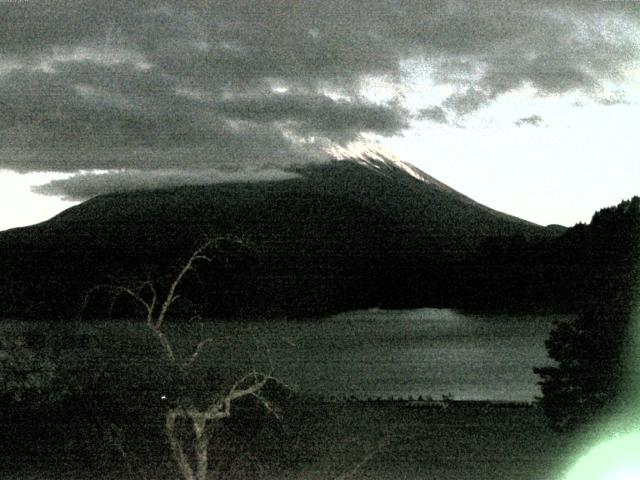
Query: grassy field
{"type": "Point", "coordinates": [391, 441]}
{"type": "Point", "coordinates": [359, 440]}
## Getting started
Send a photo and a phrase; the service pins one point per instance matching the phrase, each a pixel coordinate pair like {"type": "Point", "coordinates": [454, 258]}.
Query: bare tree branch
{"type": "Point", "coordinates": [176, 445]}
{"type": "Point", "coordinates": [146, 295]}
{"type": "Point", "coordinates": [171, 296]}
{"type": "Point", "coordinates": [166, 345]}
{"type": "Point", "coordinates": [194, 356]}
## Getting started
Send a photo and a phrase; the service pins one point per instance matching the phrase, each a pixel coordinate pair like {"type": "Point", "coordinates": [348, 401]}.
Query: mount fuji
{"type": "Point", "coordinates": [363, 230]}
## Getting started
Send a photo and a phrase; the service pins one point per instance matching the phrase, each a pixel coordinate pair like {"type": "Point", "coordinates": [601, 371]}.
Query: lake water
{"type": "Point", "coordinates": [366, 354]}
{"type": "Point", "coordinates": [428, 352]}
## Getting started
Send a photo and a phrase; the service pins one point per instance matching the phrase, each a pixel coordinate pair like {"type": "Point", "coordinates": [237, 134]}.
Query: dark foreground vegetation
{"type": "Point", "coordinates": [596, 353]}
{"type": "Point", "coordinates": [312, 440]}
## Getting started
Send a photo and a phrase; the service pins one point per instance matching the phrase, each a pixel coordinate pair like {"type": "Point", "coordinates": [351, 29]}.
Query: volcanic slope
{"type": "Point", "coordinates": [357, 232]}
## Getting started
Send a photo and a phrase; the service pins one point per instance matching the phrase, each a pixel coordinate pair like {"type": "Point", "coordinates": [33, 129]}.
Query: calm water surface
{"type": "Point", "coordinates": [366, 354]}
{"type": "Point", "coordinates": [428, 352]}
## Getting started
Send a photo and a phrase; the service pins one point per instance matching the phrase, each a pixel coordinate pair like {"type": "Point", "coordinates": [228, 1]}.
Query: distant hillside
{"type": "Point", "coordinates": [353, 233]}
{"type": "Point", "coordinates": [566, 273]}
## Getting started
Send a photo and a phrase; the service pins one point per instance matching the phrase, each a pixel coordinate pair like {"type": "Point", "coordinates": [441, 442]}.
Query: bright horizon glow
{"type": "Point", "coordinates": [580, 158]}
{"type": "Point", "coordinates": [19, 206]}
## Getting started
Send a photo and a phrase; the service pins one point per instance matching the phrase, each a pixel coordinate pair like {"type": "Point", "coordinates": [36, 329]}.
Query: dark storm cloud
{"type": "Point", "coordinates": [534, 120]}
{"type": "Point", "coordinates": [469, 100]}
{"type": "Point", "coordinates": [89, 116]}
{"type": "Point", "coordinates": [435, 114]}
{"type": "Point", "coordinates": [317, 113]}
{"type": "Point", "coordinates": [557, 53]}
{"type": "Point", "coordinates": [85, 185]}
{"type": "Point", "coordinates": [616, 98]}
{"type": "Point", "coordinates": [229, 85]}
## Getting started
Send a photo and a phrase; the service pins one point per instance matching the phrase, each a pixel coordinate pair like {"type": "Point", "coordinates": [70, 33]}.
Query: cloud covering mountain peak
{"type": "Point", "coordinates": [229, 86]}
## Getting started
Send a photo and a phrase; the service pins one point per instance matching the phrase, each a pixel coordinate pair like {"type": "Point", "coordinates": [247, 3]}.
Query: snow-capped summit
{"type": "Point", "coordinates": [380, 159]}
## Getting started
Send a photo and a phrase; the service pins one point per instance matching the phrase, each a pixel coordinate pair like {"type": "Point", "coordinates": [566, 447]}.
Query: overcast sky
{"type": "Point", "coordinates": [530, 107]}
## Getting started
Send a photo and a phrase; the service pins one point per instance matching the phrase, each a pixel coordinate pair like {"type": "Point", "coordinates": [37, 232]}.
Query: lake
{"type": "Point", "coordinates": [365, 354]}
{"type": "Point", "coordinates": [423, 352]}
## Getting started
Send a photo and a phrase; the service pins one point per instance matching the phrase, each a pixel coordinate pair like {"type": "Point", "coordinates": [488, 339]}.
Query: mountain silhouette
{"type": "Point", "coordinates": [361, 231]}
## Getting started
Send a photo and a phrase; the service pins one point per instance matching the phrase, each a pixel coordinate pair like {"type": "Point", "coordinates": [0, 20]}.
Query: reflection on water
{"type": "Point", "coordinates": [428, 352]}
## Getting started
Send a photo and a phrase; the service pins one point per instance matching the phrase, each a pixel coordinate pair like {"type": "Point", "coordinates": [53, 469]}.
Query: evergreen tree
{"type": "Point", "coordinates": [590, 372]}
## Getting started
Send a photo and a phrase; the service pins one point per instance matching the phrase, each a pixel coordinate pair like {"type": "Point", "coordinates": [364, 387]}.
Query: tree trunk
{"type": "Point", "coordinates": [201, 447]}
{"type": "Point", "coordinates": [177, 448]}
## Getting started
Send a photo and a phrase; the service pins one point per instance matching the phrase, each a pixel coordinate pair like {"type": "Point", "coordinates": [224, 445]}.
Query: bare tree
{"type": "Point", "coordinates": [191, 460]}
